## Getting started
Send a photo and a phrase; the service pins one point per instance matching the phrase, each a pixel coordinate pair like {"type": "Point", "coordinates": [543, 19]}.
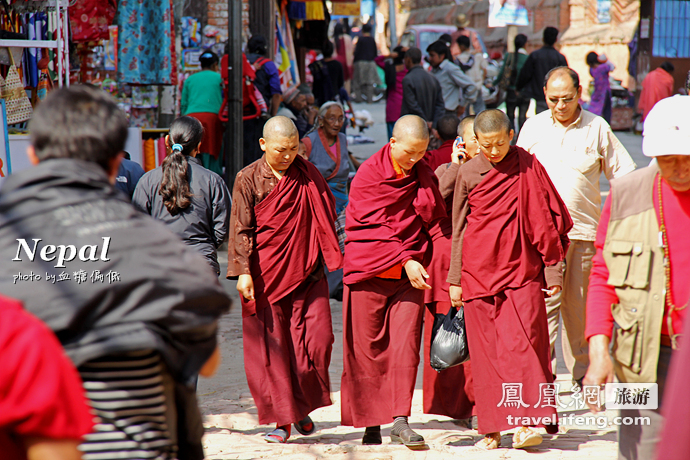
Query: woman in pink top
{"type": "Point", "coordinates": [394, 70]}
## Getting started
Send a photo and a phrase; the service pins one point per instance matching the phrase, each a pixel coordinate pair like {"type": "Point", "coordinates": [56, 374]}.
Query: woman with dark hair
{"type": "Point", "coordinates": [394, 71]}
{"type": "Point", "coordinates": [191, 200]}
{"type": "Point", "coordinates": [202, 96]}
{"type": "Point", "coordinates": [506, 78]}
{"type": "Point", "coordinates": [344, 52]}
{"type": "Point", "coordinates": [600, 102]}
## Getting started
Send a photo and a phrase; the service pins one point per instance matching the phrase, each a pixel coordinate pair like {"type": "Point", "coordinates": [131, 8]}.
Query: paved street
{"type": "Point", "coordinates": [232, 426]}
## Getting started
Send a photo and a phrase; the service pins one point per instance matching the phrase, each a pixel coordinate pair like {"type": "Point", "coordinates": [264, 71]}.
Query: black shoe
{"type": "Point", "coordinates": [372, 436]}
{"type": "Point", "coordinates": [407, 436]}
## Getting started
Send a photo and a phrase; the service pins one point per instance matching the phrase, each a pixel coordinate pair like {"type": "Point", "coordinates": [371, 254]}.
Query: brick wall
{"type": "Point", "coordinates": [218, 14]}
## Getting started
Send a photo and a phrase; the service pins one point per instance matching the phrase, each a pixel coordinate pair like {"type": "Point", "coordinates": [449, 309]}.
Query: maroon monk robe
{"type": "Point", "coordinates": [515, 236]}
{"type": "Point", "coordinates": [294, 227]}
{"type": "Point", "coordinates": [451, 391]}
{"type": "Point", "coordinates": [386, 225]}
{"type": "Point", "coordinates": [287, 331]}
{"type": "Point", "coordinates": [440, 156]}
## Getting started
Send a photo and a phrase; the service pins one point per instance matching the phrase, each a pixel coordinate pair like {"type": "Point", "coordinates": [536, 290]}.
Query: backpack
{"type": "Point", "coordinates": [253, 103]}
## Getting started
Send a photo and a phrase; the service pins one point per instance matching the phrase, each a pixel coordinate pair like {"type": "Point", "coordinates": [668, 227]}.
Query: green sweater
{"type": "Point", "coordinates": [202, 92]}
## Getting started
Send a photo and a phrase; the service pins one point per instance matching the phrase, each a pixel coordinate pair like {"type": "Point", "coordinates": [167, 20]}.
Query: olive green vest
{"type": "Point", "coordinates": [635, 260]}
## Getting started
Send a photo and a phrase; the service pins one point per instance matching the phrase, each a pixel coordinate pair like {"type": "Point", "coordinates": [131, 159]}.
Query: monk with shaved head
{"type": "Point", "coordinates": [515, 225]}
{"type": "Point", "coordinates": [394, 199]}
{"type": "Point", "coordinates": [281, 235]}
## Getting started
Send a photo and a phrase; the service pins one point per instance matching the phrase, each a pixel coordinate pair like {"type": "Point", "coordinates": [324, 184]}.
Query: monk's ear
{"type": "Point", "coordinates": [262, 144]}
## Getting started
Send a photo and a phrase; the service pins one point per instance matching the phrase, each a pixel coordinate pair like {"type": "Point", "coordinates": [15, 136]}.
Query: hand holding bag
{"type": "Point", "coordinates": [448, 340]}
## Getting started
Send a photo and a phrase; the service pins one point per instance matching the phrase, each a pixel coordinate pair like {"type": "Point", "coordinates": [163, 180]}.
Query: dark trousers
{"type": "Point", "coordinates": [253, 131]}
{"type": "Point", "coordinates": [513, 101]}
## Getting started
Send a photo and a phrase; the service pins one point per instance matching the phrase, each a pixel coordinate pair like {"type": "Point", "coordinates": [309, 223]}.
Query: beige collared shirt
{"type": "Point", "coordinates": [575, 156]}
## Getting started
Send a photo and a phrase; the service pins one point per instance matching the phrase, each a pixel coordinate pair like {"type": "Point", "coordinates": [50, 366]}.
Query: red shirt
{"type": "Point", "coordinates": [41, 393]}
{"type": "Point", "coordinates": [601, 296]}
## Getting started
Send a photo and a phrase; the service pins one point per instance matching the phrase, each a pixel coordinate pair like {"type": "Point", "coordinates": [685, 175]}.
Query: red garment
{"type": "Point", "coordinates": [514, 225]}
{"type": "Point", "coordinates": [657, 85]}
{"type": "Point", "coordinates": [517, 224]}
{"type": "Point", "coordinates": [449, 392]}
{"type": "Point", "coordinates": [89, 19]}
{"type": "Point", "coordinates": [300, 205]}
{"type": "Point", "coordinates": [675, 437]}
{"type": "Point", "coordinates": [382, 328]}
{"type": "Point", "coordinates": [41, 393]}
{"type": "Point", "coordinates": [213, 132]}
{"type": "Point", "coordinates": [440, 156]}
{"type": "Point", "coordinates": [601, 296]}
{"type": "Point", "coordinates": [508, 340]}
{"type": "Point", "coordinates": [387, 218]}
{"type": "Point", "coordinates": [287, 351]}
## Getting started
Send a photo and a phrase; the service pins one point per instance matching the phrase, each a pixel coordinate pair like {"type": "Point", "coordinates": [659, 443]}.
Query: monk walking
{"type": "Point", "coordinates": [451, 391]}
{"type": "Point", "coordinates": [281, 234]}
{"type": "Point", "coordinates": [394, 199]}
{"type": "Point", "coordinates": [515, 227]}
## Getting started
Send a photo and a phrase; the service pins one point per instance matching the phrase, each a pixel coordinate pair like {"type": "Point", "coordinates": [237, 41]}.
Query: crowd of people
{"type": "Point", "coordinates": [503, 220]}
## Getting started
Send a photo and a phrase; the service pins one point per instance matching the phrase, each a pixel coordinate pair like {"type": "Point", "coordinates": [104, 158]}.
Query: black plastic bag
{"type": "Point", "coordinates": [448, 340]}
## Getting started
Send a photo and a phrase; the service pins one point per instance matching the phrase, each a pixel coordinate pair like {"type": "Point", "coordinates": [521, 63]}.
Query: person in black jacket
{"type": "Point", "coordinates": [530, 82]}
{"type": "Point", "coordinates": [135, 309]}
{"type": "Point", "coordinates": [422, 95]}
{"type": "Point", "coordinates": [192, 201]}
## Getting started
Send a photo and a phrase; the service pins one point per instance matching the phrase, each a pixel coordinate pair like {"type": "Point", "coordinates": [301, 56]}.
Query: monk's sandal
{"type": "Point", "coordinates": [402, 433]}
{"type": "Point", "coordinates": [490, 442]}
{"type": "Point", "coordinates": [526, 437]}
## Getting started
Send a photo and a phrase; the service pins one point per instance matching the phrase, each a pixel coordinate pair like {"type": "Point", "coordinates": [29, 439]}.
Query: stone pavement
{"type": "Point", "coordinates": [233, 431]}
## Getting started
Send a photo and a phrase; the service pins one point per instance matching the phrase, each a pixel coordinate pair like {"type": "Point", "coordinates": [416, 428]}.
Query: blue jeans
{"type": "Point", "coordinates": [389, 125]}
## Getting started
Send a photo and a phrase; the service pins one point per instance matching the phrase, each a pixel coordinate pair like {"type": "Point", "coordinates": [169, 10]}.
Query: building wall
{"type": "Point", "coordinates": [218, 15]}
{"type": "Point", "coordinates": [586, 34]}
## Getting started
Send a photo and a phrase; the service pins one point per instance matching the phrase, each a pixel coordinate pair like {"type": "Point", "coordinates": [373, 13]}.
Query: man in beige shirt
{"type": "Point", "coordinates": [575, 147]}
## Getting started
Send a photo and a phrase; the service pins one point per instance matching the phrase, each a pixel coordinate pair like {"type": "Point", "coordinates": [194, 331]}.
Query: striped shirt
{"type": "Point", "coordinates": [128, 395]}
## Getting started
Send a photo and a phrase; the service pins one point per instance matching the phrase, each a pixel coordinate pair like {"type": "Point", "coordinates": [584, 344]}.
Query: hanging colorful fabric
{"type": "Point", "coordinates": [315, 10]}
{"type": "Point", "coordinates": [149, 155]}
{"type": "Point", "coordinates": [297, 9]}
{"type": "Point", "coordinates": [89, 19]}
{"type": "Point", "coordinates": [17, 103]}
{"type": "Point", "coordinates": [146, 42]}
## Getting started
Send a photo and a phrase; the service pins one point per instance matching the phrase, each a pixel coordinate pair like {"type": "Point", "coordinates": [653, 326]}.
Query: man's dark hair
{"type": "Point", "coordinates": [592, 58]}
{"type": "Point", "coordinates": [550, 36]}
{"type": "Point", "coordinates": [563, 69]}
{"type": "Point", "coordinates": [366, 29]}
{"type": "Point", "coordinates": [439, 47]}
{"type": "Point", "coordinates": [327, 49]}
{"type": "Point", "coordinates": [257, 45]}
{"type": "Point", "coordinates": [463, 41]}
{"type": "Point", "coordinates": [520, 41]}
{"type": "Point", "coordinates": [447, 127]}
{"type": "Point", "coordinates": [491, 121]}
{"type": "Point", "coordinates": [207, 59]}
{"type": "Point", "coordinates": [468, 120]}
{"type": "Point", "coordinates": [667, 66]}
{"type": "Point", "coordinates": [80, 122]}
{"type": "Point", "coordinates": [415, 55]}
{"type": "Point", "coordinates": [400, 55]}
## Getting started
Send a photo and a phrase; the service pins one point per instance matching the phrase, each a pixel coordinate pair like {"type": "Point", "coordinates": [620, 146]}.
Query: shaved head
{"type": "Point", "coordinates": [410, 127]}
{"type": "Point", "coordinates": [491, 121]}
{"type": "Point", "coordinates": [279, 127]}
